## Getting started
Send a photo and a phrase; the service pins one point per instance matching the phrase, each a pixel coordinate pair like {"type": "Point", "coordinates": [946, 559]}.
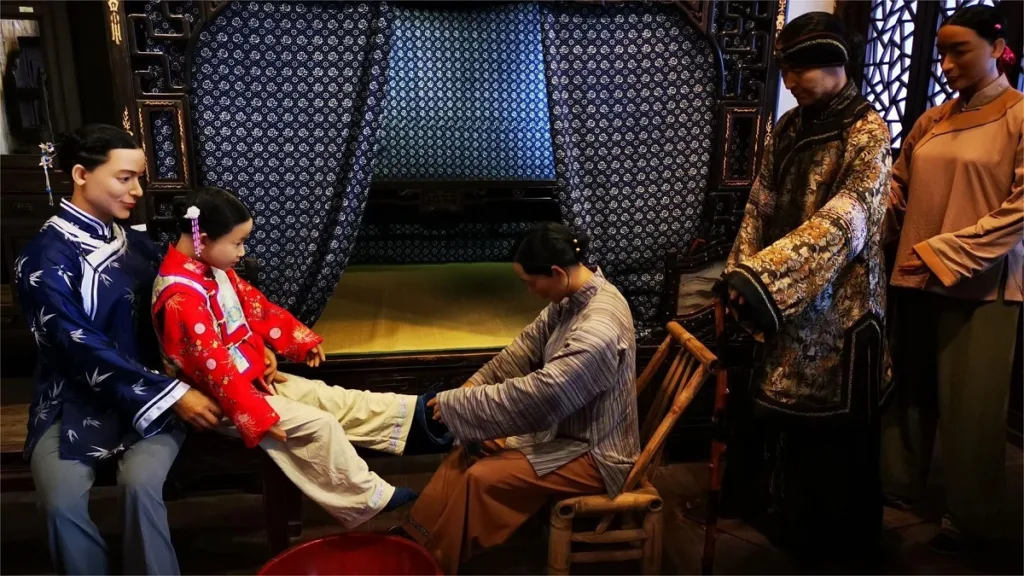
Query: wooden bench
{"type": "Point", "coordinates": [206, 462]}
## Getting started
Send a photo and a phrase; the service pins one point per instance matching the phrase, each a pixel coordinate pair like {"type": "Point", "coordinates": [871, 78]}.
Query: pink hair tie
{"type": "Point", "coordinates": [999, 26]}
{"type": "Point", "coordinates": [193, 214]}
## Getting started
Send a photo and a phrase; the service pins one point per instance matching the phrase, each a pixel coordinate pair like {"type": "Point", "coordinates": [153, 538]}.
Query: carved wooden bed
{"type": "Point", "coordinates": [372, 347]}
{"type": "Point", "coordinates": [384, 345]}
{"type": "Point", "coordinates": [740, 34]}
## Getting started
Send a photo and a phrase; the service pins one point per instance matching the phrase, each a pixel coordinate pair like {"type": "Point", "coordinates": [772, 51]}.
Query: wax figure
{"type": "Point", "coordinates": [220, 333]}
{"type": "Point", "coordinates": [562, 394]}
{"type": "Point", "coordinates": [956, 198]}
{"type": "Point", "coordinates": [807, 272]}
{"type": "Point", "coordinates": [97, 396]}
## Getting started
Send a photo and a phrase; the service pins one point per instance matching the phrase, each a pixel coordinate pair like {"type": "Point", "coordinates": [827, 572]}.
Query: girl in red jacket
{"type": "Point", "coordinates": [220, 334]}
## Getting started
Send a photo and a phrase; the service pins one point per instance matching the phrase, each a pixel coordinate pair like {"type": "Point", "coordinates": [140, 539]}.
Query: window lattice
{"type": "Point", "coordinates": [887, 61]}
{"type": "Point", "coordinates": [938, 90]}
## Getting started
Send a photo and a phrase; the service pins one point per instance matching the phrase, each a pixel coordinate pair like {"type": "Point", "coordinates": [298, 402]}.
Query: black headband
{"type": "Point", "coordinates": [817, 50]}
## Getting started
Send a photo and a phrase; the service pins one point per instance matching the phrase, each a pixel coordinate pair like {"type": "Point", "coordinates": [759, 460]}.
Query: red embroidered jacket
{"type": "Point", "coordinates": [213, 327]}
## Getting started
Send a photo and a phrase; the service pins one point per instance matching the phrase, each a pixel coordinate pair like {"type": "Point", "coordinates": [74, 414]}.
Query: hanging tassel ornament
{"type": "Point", "coordinates": [46, 154]}
{"type": "Point", "coordinates": [193, 214]}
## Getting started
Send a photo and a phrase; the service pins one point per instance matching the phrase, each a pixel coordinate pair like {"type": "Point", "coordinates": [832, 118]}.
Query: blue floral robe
{"type": "Point", "coordinates": [80, 284]}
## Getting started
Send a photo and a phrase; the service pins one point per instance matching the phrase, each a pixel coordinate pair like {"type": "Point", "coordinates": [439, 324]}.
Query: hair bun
{"type": "Point", "coordinates": [66, 147]}
{"type": "Point", "coordinates": [179, 205]}
{"type": "Point", "coordinates": [582, 246]}
{"type": "Point", "coordinates": [90, 146]}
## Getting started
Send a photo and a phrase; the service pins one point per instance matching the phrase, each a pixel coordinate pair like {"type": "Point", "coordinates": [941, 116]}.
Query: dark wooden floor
{"type": "Point", "coordinates": [222, 534]}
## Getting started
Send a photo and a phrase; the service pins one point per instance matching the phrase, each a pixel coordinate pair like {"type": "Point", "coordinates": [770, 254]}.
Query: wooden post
{"type": "Point", "coordinates": [292, 498]}
{"type": "Point", "coordinates": [651, 562]}
{"type": "Point", "coordinates": [278, 505]}
{"type": "Point", "coordinates": [559, 542]}
{"type": "Point", "coordinates": [707, 562]}
{"type": "Point", "coordinates": [629, 522]}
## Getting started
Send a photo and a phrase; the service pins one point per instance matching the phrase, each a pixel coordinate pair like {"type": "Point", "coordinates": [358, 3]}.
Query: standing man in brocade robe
{"type": "Point", "coordinates": [807, 272]}
{"type": "Point", "coordinates": [97, 396]}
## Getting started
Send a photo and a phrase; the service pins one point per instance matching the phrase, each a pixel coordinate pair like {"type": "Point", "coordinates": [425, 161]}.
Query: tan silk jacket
{"type": "Point", "coordinates": [956, 197]}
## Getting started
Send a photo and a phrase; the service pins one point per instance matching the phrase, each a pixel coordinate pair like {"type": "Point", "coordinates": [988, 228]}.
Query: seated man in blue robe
{"type": "Point", "coordinates": [97, 394]}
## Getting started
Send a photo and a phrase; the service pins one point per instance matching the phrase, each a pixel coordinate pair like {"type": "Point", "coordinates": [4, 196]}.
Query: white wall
{"type": "Point", "coordinates": [796, 8]}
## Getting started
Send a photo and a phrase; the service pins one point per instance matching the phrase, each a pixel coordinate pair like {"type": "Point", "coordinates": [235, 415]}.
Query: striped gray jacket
{"type": "Point", "coordinates": [563, 388]}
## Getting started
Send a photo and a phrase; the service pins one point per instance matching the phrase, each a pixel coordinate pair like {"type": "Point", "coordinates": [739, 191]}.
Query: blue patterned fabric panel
{"type": "Point", "coordinates": [632, 91]}
{"type": "Point", "coordinates": [286, 106]}
{"type": "Point", "coordinates": [419, 244]}
{"type": "Point", "coordinates": [466, 95]}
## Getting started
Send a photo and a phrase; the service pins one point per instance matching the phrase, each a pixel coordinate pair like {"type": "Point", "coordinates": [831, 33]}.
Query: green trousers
{"type": "Point", "coordinates": [952, 361]}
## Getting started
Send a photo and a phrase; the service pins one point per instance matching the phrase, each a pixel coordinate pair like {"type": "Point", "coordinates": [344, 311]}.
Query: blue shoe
{"type": "Point", "coordinates": [433, 430]}
{"type": "Point", "coordinates": [948, 541]}
{"type": "Point", "coordinates": [401, 497]}
{"type": "Point", "coordinates": [400, 532]}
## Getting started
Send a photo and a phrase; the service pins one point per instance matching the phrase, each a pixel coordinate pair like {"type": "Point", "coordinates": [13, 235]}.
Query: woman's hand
{"type": "Point", "coordinates": [432, 403]}
{"type": "Point", "coordinates": [914, 266]}
{"type": "Point", "coordinates": [277, 433]}
{"type": "Point", "coordinates": [734, 304]}
{"type": "Point", "coordinates": [490, 447]}
{"type": "Point", "coordinates": [316, 356]}
{"type": "Point", "coordinates": [271, 376]}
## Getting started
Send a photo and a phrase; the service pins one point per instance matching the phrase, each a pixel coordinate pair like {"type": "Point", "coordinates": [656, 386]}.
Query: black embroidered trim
{"type": "Point", "coordinates": [844, 111]}
{"type": "Point", "coordinates": [862, 357]}
{"type": "Point", "coordinates": [419, 527]}
{"type": "Point", "coordinates": [758, 297]}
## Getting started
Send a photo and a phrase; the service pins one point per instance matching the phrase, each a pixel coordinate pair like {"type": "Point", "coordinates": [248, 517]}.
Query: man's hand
{"type": "Point", "coordinates": [277, 433]}
{"type": "Point", "coordinates": [271, 375]}
{"type": "Point", "coordinates": [198, 410]}
{"type": "Point", "coordinates": [468, 384]}
{"type": "Point", "coordinates": [914, 266]}
{"type": "Point", "coordinates": [316, 356]}
{"type": "Point", "coordinates": [734, 304]}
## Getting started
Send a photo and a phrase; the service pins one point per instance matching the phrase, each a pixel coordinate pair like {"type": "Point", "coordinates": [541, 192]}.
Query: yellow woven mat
{"type": "Point", "coordinates": [426, 308]}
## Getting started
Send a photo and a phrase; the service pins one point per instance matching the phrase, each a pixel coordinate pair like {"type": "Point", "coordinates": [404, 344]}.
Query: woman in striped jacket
{"type": "Point", "coordinates": [562, 394]}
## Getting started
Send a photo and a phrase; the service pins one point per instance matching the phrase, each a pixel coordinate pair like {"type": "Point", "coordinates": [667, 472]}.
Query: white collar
{"type": "Point", "coordinates": [85, 221]}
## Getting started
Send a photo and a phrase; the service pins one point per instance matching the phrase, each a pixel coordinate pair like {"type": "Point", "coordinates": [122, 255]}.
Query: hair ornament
{"type": "Point", "coordinates": [999, 26]}
{"type": "Point", "coordinates": [1007, 58]}
{"type": "Point", "coordinates": [193, 214]}
{"type": "Point", "coordinates": [46, 154]}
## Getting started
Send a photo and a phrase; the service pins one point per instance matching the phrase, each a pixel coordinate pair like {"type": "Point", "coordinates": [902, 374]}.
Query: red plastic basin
{"type": "Point", "coordinates": [354, 553]}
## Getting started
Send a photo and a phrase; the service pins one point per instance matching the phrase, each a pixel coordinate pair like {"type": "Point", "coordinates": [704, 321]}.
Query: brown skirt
{"type": "Point", "coordinates": [482, 502]}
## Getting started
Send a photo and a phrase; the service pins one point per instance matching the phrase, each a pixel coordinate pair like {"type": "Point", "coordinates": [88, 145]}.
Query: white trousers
{"type": "Point", "coordinates": [323, 424]}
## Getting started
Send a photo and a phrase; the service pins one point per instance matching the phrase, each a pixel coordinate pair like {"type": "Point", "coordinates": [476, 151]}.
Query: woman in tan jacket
{"type": "Point", "coordinates": [956, 204]}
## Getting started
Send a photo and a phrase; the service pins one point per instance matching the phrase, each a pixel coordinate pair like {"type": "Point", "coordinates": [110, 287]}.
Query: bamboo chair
{"type": "Point", "coordinates": [639, 507]}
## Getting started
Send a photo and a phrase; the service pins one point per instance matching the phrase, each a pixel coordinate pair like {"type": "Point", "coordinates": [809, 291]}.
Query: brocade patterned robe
{"type": "Point", "coordinates": [808, 260]}
{"type": "Point", "coordinates": [213, 327]}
